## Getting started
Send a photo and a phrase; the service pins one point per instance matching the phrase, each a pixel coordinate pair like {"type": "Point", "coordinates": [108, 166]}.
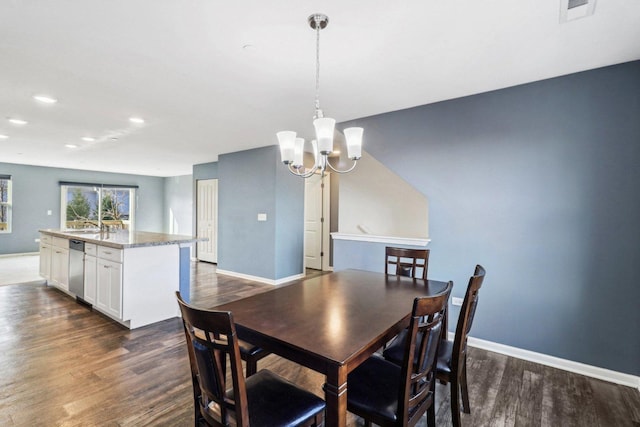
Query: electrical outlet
{"type": "Point", "coordinates": [456, 301]}
{"type": "Point", "coordinates": [262, 217]}
{"type": "Point", "coordinates": [37, 240]}
{"type": "Point", "coordinates": [49, 212]}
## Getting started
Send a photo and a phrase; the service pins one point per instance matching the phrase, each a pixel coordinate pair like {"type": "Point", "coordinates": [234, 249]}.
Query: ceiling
{"type": "Point", "coordinates": [183, 67]}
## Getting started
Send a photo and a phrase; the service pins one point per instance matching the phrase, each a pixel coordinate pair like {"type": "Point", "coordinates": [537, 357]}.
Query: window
{"type": "Point", "coordinates": [5, 203]}
{"type": "Point", "coordinates": [93, 205]}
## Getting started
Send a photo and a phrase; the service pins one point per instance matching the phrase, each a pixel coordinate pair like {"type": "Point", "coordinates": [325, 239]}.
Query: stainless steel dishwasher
{"type": "Point", "coordinates": [76, 268]}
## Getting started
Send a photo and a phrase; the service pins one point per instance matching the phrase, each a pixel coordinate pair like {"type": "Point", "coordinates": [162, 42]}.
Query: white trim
{"type": "Point", "coordinates": [21, 254]}
{"type": "Point", "coordinates": [556, 362]}
{"type": "Point", "coordinates": [411, 241]}
{"type": "Point", "coordinates": [260, 279]}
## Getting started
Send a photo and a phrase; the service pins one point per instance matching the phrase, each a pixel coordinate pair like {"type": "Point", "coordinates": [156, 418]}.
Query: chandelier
{"type": "Point", "coordinates": [292, 147]}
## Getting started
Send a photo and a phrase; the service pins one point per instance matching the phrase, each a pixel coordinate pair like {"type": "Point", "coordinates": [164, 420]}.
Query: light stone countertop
{"type": "Point", "coordinates": [123, 238]}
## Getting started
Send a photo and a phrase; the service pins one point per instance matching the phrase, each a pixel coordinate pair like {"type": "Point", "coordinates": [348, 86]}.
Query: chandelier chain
{"type": "Point", "coordinates": [318, 112]}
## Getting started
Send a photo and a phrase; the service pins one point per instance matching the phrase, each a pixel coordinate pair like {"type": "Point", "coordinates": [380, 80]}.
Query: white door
{"type": "Point", "coordinates": [207, 219]}
{"type": "Point", "coordinates": [316, 222]}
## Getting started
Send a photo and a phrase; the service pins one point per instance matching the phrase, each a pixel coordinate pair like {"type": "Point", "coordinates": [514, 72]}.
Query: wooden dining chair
{"type": "Point", "coordinates": [386, 394]}
{"type": "Point", "coordinates": [263, 399]}
{"type": "Point", "coordinates": [406, 262]}
{"type": "Point", "coordinates": [412, 263]}
{"type": "Point", "coordinates": [452, 356]}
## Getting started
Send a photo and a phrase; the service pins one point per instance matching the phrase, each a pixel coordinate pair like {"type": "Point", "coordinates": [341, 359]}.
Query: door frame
{"type": "Point", "coordinates": [215, 220]}
{"type": "Point", "coordinates": [325, 241]}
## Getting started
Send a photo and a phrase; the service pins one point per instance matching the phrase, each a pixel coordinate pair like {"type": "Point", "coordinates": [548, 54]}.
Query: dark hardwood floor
{"type": "Point", "coordinates": [63, 365]}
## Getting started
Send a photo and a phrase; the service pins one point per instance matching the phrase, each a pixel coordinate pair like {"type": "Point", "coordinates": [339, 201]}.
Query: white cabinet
{"type": "Point", "coordinates": [45, 260]}
{"type": "Point", "coordinates": [109, 287]}
{"type": "Point", "coordinates": [90, 277]}
{"type": "Point", "coordinates": [45, 255]}
{"type": "Point", "coordinates": [60, 263]}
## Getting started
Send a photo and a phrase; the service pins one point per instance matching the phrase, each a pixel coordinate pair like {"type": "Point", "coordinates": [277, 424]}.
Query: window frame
{"type": "Point", "coordinates": [101, 189]}
{"type": "Point", "coordinates": [8, 204]}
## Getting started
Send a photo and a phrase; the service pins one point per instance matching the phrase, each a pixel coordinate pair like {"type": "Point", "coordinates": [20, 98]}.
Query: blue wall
{"type": "Point", "coordinates": [252, 182]}
{"type": "Point", "coordinates": [36, 190]}
{"type": "Point", "coordinates": [289, 220]}
{"type": "Point", "coordinates": [178, 205]}
{"type": "Point", "coordinates": [539, 183]}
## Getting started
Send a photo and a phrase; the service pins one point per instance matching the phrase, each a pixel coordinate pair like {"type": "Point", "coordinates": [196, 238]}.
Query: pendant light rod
{"type": "Point", "coordinates": [318, 22]}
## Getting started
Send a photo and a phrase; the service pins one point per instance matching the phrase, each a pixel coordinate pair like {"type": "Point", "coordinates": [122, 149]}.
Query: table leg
{"type": "Point", "coordinates": [335, 391]}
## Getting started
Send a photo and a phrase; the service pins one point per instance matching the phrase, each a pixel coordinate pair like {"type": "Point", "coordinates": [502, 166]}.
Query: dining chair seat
{"type": "Point", "coordinates": [274, 401]}
{"type": "Point", "coordinates": [380, 375]}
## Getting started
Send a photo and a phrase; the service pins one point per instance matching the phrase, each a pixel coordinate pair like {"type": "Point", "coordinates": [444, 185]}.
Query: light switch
{"type": "Point", "coordinates": [49, 212]}
{"type": "Point", "coordinates": [262, 217]}
{"type": "Point", "coordinates": [456, 301]}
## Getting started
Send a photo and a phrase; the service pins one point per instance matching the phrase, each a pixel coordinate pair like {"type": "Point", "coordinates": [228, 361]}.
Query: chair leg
{"type": "Point", "coordinates": [252, 367]}
{"type": "Point", "coordinates": [463, 388]}
{"type": "Point", "coordinates": [431, 415]}
{"type": "Point", "coordinates": [455, 401]}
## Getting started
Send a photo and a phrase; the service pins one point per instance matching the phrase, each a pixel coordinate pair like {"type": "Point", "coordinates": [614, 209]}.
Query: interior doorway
{"type": "Point", "coordinates": [207, 219]}
{"type": "Point", "coordinates": [317, 224]}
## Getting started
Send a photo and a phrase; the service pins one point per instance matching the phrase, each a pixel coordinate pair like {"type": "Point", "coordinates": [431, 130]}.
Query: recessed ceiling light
{"type": "Point", "coordinates": [46, 99]}
{"type": "Point", "coordinates": [19, 122]}
{"type": "Point", "coordinates": [136, 120]}
{"type": "Point", "coordinates": [71, 145]}
{"type": "Point", "coordinates": [3, 136]}
{"type": "Point", "coordinates": [88, 139]}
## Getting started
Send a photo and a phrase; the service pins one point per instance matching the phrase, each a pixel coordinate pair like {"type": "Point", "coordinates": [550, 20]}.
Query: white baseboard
{"type": "Point", "coordinates": [260, 279]}
{"type": "Point", "coordinates": [556, 362]}
{"type": "Point", "coordinates": [23, 254]}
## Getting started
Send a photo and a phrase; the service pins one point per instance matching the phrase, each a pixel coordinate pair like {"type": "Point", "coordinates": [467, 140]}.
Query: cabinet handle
{"type": "Point", "coordinates": [105, 266]}
{"type": "Point", "coordinates": [107, 252]}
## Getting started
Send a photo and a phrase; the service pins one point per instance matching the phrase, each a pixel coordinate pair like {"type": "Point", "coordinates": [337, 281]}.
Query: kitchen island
{"type": "Point", "coordinates": [130, 276]}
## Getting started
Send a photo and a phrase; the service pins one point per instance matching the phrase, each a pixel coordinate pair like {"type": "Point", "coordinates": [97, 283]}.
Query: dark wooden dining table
{"type": "Point", "coordinates": [330, 323]}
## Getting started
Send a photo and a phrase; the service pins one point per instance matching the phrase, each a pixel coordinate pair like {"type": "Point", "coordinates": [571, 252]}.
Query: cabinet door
{"type": "Point", "coordinates": [115, 290]}
{"type": "Point", "coordinates": [45, 261]}
{"type": "Point", "coordinates": [90, 279]}
{"type": "Point", "coordinates": [109, 287]}
{"type": "Point", "coordinates": [60, 267]}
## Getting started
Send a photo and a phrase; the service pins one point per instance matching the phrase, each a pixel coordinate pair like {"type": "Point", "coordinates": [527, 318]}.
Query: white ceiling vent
{"type": "Point", "coordinates": [576, 9]}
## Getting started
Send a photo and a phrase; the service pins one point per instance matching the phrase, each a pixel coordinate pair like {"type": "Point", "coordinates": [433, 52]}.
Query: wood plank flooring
{"type": "Point", "coordinates": [63, 365]}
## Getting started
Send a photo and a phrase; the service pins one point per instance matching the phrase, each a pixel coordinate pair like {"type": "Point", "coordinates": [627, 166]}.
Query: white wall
{"type": "Point", "coordinates": [376, 201]}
